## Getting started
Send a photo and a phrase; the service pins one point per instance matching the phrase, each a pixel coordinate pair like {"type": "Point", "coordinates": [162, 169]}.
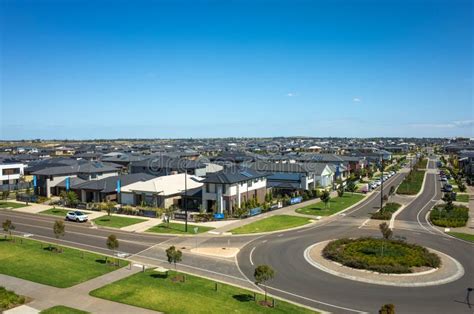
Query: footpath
{"type": "Point", "coordinates": [76, 297]}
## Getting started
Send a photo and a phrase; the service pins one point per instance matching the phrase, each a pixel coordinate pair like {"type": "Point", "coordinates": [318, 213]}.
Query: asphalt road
{"type": "Point", "coordinates": [297, 280]}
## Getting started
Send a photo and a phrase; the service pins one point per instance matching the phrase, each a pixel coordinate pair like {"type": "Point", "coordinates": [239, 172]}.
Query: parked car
{"type": "Point", "coordinates": [378, 182]}
{"type": "Point", "coordinates": [447, 188]}
{"type": "Point", "coordinates": [76, 216]}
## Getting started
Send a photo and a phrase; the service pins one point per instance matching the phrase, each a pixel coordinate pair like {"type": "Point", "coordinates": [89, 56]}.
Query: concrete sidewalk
{"type": "Point", "coordinates": [34, 208]}
{"type": "Point", "coordinates": [76, 297]}
{"type": "Point", "coordinates": [288, 210]}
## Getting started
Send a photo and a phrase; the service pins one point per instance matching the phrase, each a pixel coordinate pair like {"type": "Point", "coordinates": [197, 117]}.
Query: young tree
{"type": "Point", "coordinates": [448, 200]}
{"type": "Point", "coordinates": [387, 309]}
{"type": "Point", "coordinates": [112, 244]}
{"type": "Point", "coordinates": [109, 206]}
{"type": "Point", "coordinates": [174, 256]}
{"type": "Point", "coordinates": [69, 198]}
{"type": "Point", "coordinates": [351, 186]}
{"type": "Point", "coordinates": [340, 190]}
{"type": "Point", "coordinates": [59, 229]}
{"type": "Point", "coordinates": [262, 274]}
{"type": "Point", "coordinates": [325, 198]}
{"type": "Point", "coordinates": [8, 226]}
{"type": "Point", "coordinates": [385, 230]}
{"type": "Point", "coordinates": [392, 190]}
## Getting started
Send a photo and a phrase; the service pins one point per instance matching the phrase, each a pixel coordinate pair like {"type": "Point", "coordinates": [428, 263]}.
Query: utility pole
{"type": "Point", "coordinates": [381, 186]}
{"type": "Point", "coordinates": [185, 196]}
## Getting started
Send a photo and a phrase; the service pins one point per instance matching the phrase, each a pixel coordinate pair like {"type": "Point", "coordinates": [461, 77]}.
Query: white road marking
{"type": "Point", "coordinates": [250, 256]}
{"type": "Point", "coordinates": [316, 301]}
{"type": "Point", "coordinates": [364, 223]}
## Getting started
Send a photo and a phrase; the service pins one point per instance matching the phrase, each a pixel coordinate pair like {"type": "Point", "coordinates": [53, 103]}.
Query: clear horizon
{"type": "Point", "coordinates": [163, 69]}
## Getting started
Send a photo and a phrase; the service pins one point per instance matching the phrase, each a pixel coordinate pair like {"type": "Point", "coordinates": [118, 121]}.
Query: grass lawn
{"type": "Point", "coordinates": [9, 299]}
{"type": "Point", "coordinates": [197, 295]}
{"type": "Point", "coordinates": [411, 185]}
{"type": "Point", "coordinates": [462, 198]}
{"type": "Point", "coordinates": [12, 205]}
{"type": "Point", "coordinates": [55, 212]}
{"type": "Point", "coordinates": [335, 205]}
{"type": "Point", "coordinates": [176, 228]}
{"type": "Point", "coordinates": [463, 236]}
{"type": "Point", "coordinates": [61, 309]}
{"type": "Point", "coordinates": [116, 221]}
{"type": "Point", "coordinates": [32, 261]}
{"type": "Point", "coordinates": [273, 223]}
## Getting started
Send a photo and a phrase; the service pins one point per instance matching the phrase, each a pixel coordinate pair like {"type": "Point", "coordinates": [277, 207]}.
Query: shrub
{"type": "Point", "coordinates": [384, 256]}
{"type": "Point", "coordinates": [386, 212]}
{"type": "Point", "coordinates": [444, 216]}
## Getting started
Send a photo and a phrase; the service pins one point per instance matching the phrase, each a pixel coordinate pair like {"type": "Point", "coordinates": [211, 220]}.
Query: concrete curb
{"type": "Point", "coordinates": [459, 273]}
{"type": "Point", "coordinates": [395, 214]}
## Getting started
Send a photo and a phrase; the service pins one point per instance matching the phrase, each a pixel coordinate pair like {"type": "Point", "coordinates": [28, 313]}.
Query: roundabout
{"type": "Point", "coordinates": [449, 270]}
{"type": "Point", "coordinates": [443, 290]}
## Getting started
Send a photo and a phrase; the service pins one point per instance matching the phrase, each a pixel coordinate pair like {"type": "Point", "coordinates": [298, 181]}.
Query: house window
{"type": "Point", "coordinates": [250, 183]}
{"type": "Point", "coordinates": [7, 172]}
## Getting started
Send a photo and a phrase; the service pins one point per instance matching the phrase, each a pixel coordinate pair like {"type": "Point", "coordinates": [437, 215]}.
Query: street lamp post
{"type": "Point", "coordinates": [185, 196]}
{"type": "Point", "coordinates": [381, 186]}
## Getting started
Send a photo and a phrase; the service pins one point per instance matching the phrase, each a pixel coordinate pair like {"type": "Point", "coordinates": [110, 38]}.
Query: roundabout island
{"type": "Point", "coordinates": [384, 262]}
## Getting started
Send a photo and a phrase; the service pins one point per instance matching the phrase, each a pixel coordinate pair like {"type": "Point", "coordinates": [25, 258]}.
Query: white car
{"type": "Point", "coordinates": [378, 182]}
{"type": "Point", "coordinates": [76, 216]}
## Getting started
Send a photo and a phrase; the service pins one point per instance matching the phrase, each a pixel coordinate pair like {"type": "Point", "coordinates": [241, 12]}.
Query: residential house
{"type": "Point", "coordinates": [289, 177]}
{"type": "Point", "coordinates": [162, 191]}
{"type": "Point", "coordinates": [231, 187]}
{"type": "Point", "coordinates": [52, 180]}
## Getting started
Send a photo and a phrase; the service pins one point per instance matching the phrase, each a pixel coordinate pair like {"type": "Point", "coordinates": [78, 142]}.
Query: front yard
{"type": "Point", "coordinates": [464, 198]}
{"type": "Point", "coordinates": [61, 309]}
{"type": "Point", "coordinates": [113, 221]}
{"type": "Point", "coordinates": [55, 212]}
{"type": "Point", "coordinates": [4, 204]}
{"type": "Point", "coordinates": [273, 223]}
{"type": "Point", "coordinates": [32, 260]}
{"type": "Point", "coordinates": [335, 205]}
{"type": "Point", "coordinates": [197, 295]}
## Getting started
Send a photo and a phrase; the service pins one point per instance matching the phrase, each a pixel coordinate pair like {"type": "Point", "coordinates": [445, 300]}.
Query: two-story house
{"type": "Point", "coordinates": [231, 187]}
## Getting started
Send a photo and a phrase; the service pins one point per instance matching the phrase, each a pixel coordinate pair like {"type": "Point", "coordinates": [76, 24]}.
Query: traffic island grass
{"type": "Point", "coordinates": [11, 205]}
{"type": "Point", "coordinates": [335, 205]}
{"type": "Point", "coordinates": [463, 236]}
{"type": "Point", "coordinates": [386, 212]}
{"type": "Point", "coordinates": [464, 198]}
{"type": "Point", "coordinates": [159, 292]}
{"type": "Point", "coordinates": [380, 255]}
{"type": "Point", "coordinates": [412, 183]}
{"type": "Point", "coordinates": [61, 309]}
{"type": "Point", "coordinates": [177, 228]}
{"type": "Point", "coordinates": [455, 217]}
{"type": "Point", "coordinates": [35, 261]}
{"type": "Point", "coordinates": [9, 299]}
{"type": "Point", "coordinates": [113, 221]}
{"type": "Point", "coordinates": [273, 223]}
{"type": "Point", "coordinates": [55, 212]}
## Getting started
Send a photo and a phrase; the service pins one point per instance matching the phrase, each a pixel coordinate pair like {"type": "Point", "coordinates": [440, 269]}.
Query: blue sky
{"type": "Point", "coordinates": [167, 69]}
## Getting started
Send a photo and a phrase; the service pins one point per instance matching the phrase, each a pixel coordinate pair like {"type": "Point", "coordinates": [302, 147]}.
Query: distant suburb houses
{"type": "Point", "coordinates": [219, 181]}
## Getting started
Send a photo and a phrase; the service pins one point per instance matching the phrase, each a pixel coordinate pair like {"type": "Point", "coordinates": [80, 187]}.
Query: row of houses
{"type": "Point", "coordinates": [217, 183]}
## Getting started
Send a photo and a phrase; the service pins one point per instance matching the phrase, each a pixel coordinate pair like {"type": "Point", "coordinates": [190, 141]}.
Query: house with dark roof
{"type": "Point", "coordinates": [163, 165]}
{"type": "Point", "coordinates": [103, 189]}
{"type": "Point", "coordinates": [231, 187]}
{"type": "Point", "coordinates": [290, 177]}
{"type": "Point", "coordinates": [50, 180]}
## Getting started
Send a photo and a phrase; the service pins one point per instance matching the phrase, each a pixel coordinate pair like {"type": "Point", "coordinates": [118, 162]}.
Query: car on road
{"type": "Point", "coordinates": [77, 216]}
{"type": "Point", "coordinates": [378, 182]}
